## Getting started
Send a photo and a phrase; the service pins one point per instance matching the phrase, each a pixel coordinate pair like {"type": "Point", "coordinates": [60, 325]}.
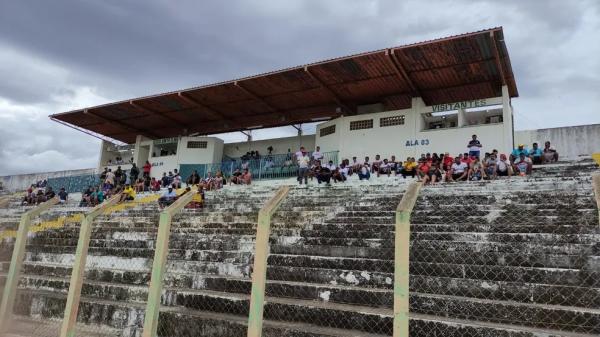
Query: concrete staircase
{"type": "Point", "coordinates": [505, 258]}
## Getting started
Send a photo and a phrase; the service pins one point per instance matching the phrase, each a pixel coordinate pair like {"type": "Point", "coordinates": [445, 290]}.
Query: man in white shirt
{"type": "Point", "coordinates": [384, 168]}
{"type": "Point", "coordinates": [376, 164]}
{"type": "Point", "coordinates": [458, 171]}
{"type": "Point", "coordinates": [503, 168]}
{"type": "Point", "coordinates": [331, 166]}
{"type": "Point", "coordinates": [317, 155]}
{"type": "Point", "coordinates": [303, 161]}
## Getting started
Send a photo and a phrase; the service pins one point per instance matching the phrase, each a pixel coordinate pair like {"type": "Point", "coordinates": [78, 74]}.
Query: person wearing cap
{"type": "Point", "coordinates": [517, 152]}
{"type": "Point", "coordinates": [168, 197]}
{"type": "Point", "coordinates": [474, 146]}
{"type": "Point", "coordinates": [128, 193]}
{"type": "Point", "coordinates": [550, 154]}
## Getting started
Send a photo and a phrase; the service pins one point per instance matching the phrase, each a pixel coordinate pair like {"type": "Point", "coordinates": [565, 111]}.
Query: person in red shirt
{"type": "Point", "coordinates": [147, 168]}
{"type": "Point", "coordinates": [155, 184]}
{"type": "Point", "coordinates": [466, 159]}
{"type": "Point", "coordinates": [423, 170]}
{"type": "Point", "coordinates": [448, 161]}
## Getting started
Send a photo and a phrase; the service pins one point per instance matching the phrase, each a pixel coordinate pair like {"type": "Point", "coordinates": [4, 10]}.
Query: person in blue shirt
{"type": "Point", "coordinates": [474, 147]}
{"type": "Point", "coordinates": [517, 152]}
{"type": "Point", "coordinates": [536, 154]}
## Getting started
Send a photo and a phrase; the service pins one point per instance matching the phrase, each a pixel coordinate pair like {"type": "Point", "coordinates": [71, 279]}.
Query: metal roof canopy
{"type": "Point", "coordinates": [457, 68]}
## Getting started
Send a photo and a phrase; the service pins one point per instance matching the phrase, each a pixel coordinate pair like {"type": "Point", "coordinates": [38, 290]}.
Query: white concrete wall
{"type": "Point", "coordinates": [280, 146]}
{"type": "Point", "coordinates": [22, 181]}
{"type": "Point", "coordinates": [571, 142]}
{"type": "Point", "coordinates": [212, 154]}
{"type": "Point", "coordinates": [409, 139]}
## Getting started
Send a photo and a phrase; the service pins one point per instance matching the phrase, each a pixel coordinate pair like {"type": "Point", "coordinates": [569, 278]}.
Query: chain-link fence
{"type": "Point", "coordinates": [523, 254]}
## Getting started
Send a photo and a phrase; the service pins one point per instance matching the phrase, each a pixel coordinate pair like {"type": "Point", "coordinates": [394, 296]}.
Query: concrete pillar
{"type": "Point", "coordinates": [418, 108]}
{"type": "Point", "coordinates": [508, 125]}
{"type": "Point", "coordinates": [139, 156]}
{"type": "Point", "coordinates": [462, 120]}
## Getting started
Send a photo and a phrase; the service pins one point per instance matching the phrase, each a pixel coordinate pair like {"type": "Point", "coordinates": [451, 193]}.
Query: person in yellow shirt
{"type": "Point", "coordinates": [409, 168]}
{"type": "Point", "coordinates": [128, 193]}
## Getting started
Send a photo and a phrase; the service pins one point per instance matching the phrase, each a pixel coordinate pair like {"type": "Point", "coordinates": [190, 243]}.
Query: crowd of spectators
{"type": "Point", "coordinates": [430, 168]}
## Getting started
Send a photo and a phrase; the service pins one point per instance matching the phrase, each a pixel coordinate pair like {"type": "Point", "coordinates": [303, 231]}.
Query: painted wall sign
{"type": "Point", "coordinates": [155, 164]}
{"type": "Point", "coordinates": [417, 142]}
{"type": "Point", "coordinates": [460, 105]}
{"type": "Point", "coordinates": [166, 141]}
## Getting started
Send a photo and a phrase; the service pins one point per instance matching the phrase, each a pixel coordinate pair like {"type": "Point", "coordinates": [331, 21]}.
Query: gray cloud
{"type": "Point", "coordinates": [60, 55]}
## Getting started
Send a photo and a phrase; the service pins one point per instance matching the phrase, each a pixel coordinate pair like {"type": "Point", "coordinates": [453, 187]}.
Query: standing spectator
{"type": "Point", "coordinates": [458, 171]}
{"type": "Point", "coordinates": [118, 174]}
{"type": "Point", "coordinates": [110, 178]}
{"type": "Point", "coordinates": [303, 165]}
{"type": "Point", "coordinates": [474, 147]}
{"type": "Point", "coordinates": [146, 168]}
{"type": "Point", "coordinates": [63, 196]}
{"type": "Point", "coordinates": [317, 155]}
{"type": "Point", "coordinates": [536, 154]}
{"type": "Point", "coordinates": [550, 154]}
{"type": "Point", "coordinates": [134, 173]}
{"type": "Point", "coordinates": [103, 174]}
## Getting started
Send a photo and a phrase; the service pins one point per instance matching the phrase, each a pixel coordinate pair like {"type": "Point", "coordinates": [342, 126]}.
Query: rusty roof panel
{"type": "Point", "coordinates": [440, 71]}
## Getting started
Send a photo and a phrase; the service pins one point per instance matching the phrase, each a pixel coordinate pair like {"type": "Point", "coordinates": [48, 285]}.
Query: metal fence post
{"type": "Point", "coordinates": [14, 271]}
{"type": "Point", "coordinates": [259, 169]}
{"type": "Point", "coordinates": [596, 185]}
{"type": "Point", "coordinates": [259, 274]}
{"type": "Point", "coordinates": [85, 232]}
{"type": "Point", "coordinates": [160, 260]}
{"type": "Point", "coordinates": [402, 260]}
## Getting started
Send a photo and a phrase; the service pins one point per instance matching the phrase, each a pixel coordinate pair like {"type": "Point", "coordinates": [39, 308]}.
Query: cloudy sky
{"type": "Point", "coordinates": [61, 55]}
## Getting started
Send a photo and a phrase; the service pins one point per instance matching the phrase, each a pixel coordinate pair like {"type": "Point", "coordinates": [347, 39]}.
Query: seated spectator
{"type": "Point", "coordinates": [490, 165]}
{"type": "Point", "coordinates": [429, 159]}
{"type": "Point", "coordinates": [128, 194]}
{"type": "Point", "coordinates": [168, 197]}
{"type": "Point", "coordinates": [409, 168]}
{"type": "Point", "coordinates": [423, 170]}
{"type": "Point", "coordinates": [447, 162]}
{"type": "Point", "coordinates": [322, 173]}
{"type": "Point", "coordinates": [86, 197]}
{"type": "Point", "coordinates": [376, 164]}
{"type": "Point", "coordinates": [236, 177]}
{"type": "Point", "coordinates": [100, 196]}
{"type": "Point", "coordinates": [394, 166]}
{"type": "Point", "coordinates": [340, 174]}
{"type": "Point", "coordinates": [49, 194]}
{"type": "Point", "coordinates": [246, 177]}
{"type": "Point", "coordinates": [355, 166]}
{"type": "Point", "coordinates": [331, 166]}
{"type": "Point", "coordinates": [466, 159]}
{"type": "Point", "coordinates": [364, 173]}
{"type": "Point", "coordinates": [40, 197]}
{"type": "Point", "coordinates": [550, 154]}
{"type": "Point", "coordinates": [536, 155]}
{"type": "Point", "coordinates": [29, 198]}
{"type": "Point", "coordinates": [63, 196]}
{"type": "Point", "coordinates": [384, 168]}
{"type": "Point", "coordinates": [522, 165]}
{"type": "Point", "coordinates": [434, 174]}
{"type": "Point", "coordinates": [155, 185]}
{"type": "Point", "coordinates": [367, 163]}
{"type": "Point", "coordinates": [517, 152]}
{"type": "Point", "coordinates": [435, 158]}
{"type": "Point", "coordinates": [147, 181]}
{"type": "Point", "coordinates": [103, 174]}
{"type": "Point", "coordinates": [208, 182]}
{"type": "Point", "coordinates": [458, 171]}
{"type": "Point", "coordinates": [476, 171]}
{"type": "Point", "coordinates": [165, 180]}
{"type": "Point", "coordinates": [139, 185]}
{"type": "Point", "coordinates": [503, 167]}
{"type": "Point", "coordinates": [218, 180]}
{"type": "Point", "coordinates": [198, 201]}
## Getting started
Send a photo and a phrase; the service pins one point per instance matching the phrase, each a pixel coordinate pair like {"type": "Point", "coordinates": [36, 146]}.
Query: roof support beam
{"type": "Point", "coordinates": [154, 113]}
{"type": "Point", "coordinates": [196, 103]}
{"type": "Point", "coordinates": [122, 125]}
{"type": "Point", "coordinates": [331, 93]}
{"type": "Point", "coordinates": [399, 70]}
{"type": "Point", "coordinates": [497, 57]}
{"type": "Point", "coordinates": [255, 97]}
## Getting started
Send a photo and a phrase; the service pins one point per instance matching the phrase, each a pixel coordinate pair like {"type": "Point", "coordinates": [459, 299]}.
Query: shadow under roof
{"type": "Point", "coordinates": [457, 68]}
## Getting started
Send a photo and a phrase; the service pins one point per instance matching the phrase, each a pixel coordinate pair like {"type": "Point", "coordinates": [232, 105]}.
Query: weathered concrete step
{"type": "Point", "coordinates": [362, 219]}
{"type": "Point", "coordinates": [507, 247]}
{"type": "Point", "coordinates": [26, 327]}
{"type": "Point", "coordinates": [326, 262]}
{"type": "Point", "coordinates": [579, 228]}
{"type": "Point", "coordinates": [542, 238]}
{"type": "Point", "coordinates": [467, 219]}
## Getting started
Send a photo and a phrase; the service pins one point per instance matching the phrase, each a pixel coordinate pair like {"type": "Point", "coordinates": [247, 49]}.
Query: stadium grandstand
{"type": "Point", "coordinates": [415, 210]}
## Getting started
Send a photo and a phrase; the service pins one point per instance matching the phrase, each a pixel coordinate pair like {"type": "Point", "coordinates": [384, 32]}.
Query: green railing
{"type": "Point", "coordinates": [267, 167]}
